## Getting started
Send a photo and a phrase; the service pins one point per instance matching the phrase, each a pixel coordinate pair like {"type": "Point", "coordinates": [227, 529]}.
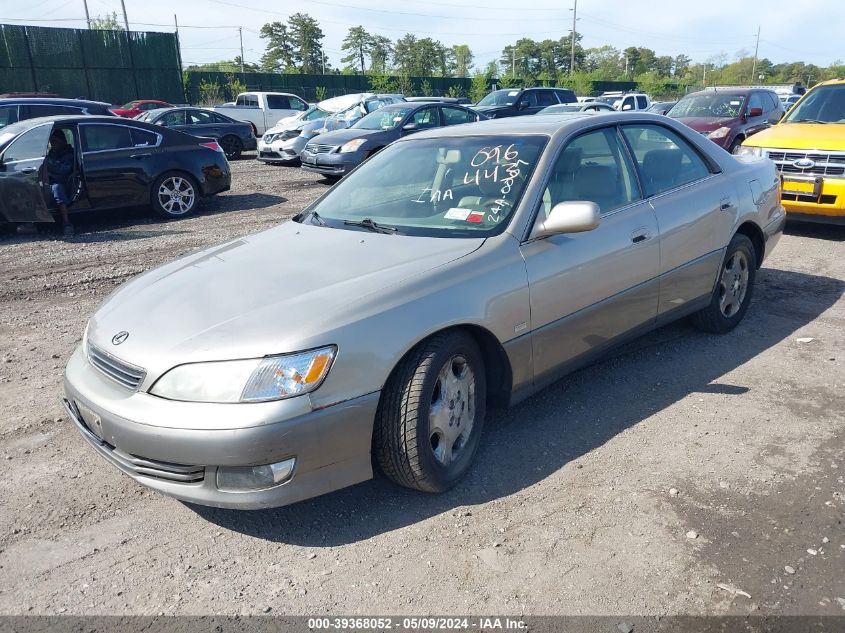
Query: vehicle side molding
{"type": "Point", "coordinates": [570, 217]}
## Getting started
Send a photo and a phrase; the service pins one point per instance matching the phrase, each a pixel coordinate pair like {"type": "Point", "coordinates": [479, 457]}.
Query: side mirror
{"type": "Point", "coordinates": [522, 105]}
{"type": "Point", "coordinates": [755, 112]}
{"type": "Point", "coordinates": [570, 217]}
{"type": "Point", "coordinates": [410, 127]}
{"type": "Point", "coordinates": [627, 106]}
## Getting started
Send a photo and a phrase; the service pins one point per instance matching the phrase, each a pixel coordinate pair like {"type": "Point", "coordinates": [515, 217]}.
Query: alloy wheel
{"type": "Point", "coordinates": [176, 195]}
{"type": "Point", "coordinates": [733, 284]}
{"type": "Point", "coordinates": [452, 410]}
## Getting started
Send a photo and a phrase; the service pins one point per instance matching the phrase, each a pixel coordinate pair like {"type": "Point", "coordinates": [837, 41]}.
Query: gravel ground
{"type": "Point", "coordinates": [686, 474]}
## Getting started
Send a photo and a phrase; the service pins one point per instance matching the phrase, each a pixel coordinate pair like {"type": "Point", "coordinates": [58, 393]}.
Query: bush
{"type": "Point", "coordinates": [479, 87]}
{"type": "Point", "coordinates": [320, 93]}
{"type": "Point", "coordinates": [380, 82]}
{"type": "Point", "coordinates": [210, 93]}
{"type": "Point", "coordinates": [455, 91]}
{"type": "Point", "coordinates": [425, 89]}
{"type": "Point", "coordinates": [235, 86]}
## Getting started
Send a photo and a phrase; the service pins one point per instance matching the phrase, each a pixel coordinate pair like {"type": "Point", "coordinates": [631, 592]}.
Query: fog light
{"type": "Point", "coordinates": [249, 478]}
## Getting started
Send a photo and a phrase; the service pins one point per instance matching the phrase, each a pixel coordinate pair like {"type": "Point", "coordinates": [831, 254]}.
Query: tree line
{"type": "Point", "coordinates": [296, 46]}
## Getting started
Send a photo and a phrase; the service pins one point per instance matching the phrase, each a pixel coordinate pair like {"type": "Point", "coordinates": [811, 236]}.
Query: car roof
{"type": "Point", "coordinates": [51, 101]}
{"type": "Point", "coordinates": [546, 125]}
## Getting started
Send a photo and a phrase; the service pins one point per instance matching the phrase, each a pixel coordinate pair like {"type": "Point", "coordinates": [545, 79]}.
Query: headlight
{"type": "Point", "coordinates": [352, 146]}
{"type": "Point", "coordinates": [253, 380]}
{"type": "Point", "coordinates": [268, 138]}
{"type": "Point", "coordinates": [721, 132]}
{"type": "Point", "coordinates": [749, 150]}
{"type": "Point", "coordinates": [288, 135]}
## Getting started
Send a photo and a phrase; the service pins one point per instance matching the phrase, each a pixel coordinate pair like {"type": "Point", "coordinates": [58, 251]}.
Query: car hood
{"type": "Point", "coordinates": [805, 136]}
{"type": "Point", "coordinates": [706, 123]}
{"type": "Point", "coordinates": [267, 293]}
{"type": "Point", "coordinates": [296, 124]}
{"type": "Point", "coordinates": [339, 137]}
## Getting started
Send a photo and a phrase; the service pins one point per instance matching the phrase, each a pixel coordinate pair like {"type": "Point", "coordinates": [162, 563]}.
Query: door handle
{"type": "Point", "coordinates": [140, 156]}
{"type": "Point", "coordinates": [725, 204]}
{"type": "Point", "coordinates": [640, 235]}
{"type": "Point", "coordinates": [28, 170]}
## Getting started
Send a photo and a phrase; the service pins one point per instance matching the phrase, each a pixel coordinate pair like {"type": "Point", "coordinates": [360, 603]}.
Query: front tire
{"type": "Point", "coordinates": [732, 293]}
{"type": "Point", "coordinates": [431, 416]}
{"type": "Point", "coordinates": [174, 195]}
{"type": "Point", "coordinates": [231, 146]}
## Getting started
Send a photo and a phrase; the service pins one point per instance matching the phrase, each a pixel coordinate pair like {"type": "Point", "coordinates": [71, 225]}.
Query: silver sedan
{"type": "Point", "coordinates": [457, 269]}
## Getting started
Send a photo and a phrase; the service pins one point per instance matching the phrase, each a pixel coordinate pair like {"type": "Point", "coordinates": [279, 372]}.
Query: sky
{"type": "Point", "coordinates": [809, 31]}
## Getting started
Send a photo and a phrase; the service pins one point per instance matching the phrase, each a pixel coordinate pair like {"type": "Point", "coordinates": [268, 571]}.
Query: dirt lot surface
{"type": "Point", "coordinates": [688, 473]}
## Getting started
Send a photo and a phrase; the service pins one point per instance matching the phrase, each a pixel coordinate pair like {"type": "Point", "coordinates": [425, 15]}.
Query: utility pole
{"type": "Point", "coordinates": [572, 43]}
{"type": "Point", "coordinates": [754, 65]}
{"type": "Point", "coordinates": [87, 15]}
{"type": "Point", "coordinates": [125, 19]}
{"type": "Point", "coordinates": [241, 36]}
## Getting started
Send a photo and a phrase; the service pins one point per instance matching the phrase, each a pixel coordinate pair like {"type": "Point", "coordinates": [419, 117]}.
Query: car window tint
{"type": "Point", "coordinates": [664, 159]}
{"type": "Point", "coordinates": [456, 116]}
{"type": "Point", "coordinates": [642, 104]}
{"type": "Point", "coordinates": [278, 102]}
{"type": "Point", "coordinates": [593, 167]}
{"type": "Point", "coordinates": [426, 118]}
{"type": "Point", "coordinates": [219, 118]}
{"type": "Point", "coordinates": [199, 117]}
{"type": "Point", "coordinates": [566, 96]}
{"type": "Point", "coordinates": [98, 138]}
{"type": "Point", "coordinates": [149, 106]}
{"type": "Point", "coordinates": [529, 99]}
{"type": "Point", "coordinates": [29, 145]}
{"type": "Point", "coordinates": [546, 98]}
{"type": "Point", "coordinates": [169, 119]}
{"type": "Point", "coordinates": [34, 111]}
{"type": "Point", "coordinates": [143, 138]}
{"type": "Point", "coordinates": [755, 101]}
{"type": "Point", "coordinates": [8, 115]}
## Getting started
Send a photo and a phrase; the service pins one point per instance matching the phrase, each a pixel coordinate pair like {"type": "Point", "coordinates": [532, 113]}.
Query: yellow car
{"type": "Point", "coordinates": [808, 147]}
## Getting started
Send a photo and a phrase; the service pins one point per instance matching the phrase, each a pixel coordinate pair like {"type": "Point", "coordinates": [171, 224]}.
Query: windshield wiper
{"type": "Point", "coordinates": [315, 217]}
{"type": "Point", "coordinates": [809, 121]}
{"type": "Point", "coordinates": [367, 223]}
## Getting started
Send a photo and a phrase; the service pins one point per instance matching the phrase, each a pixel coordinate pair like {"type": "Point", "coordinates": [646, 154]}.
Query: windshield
{"type": "Point", "coordinates": [718, 106]}
{"type": "Point", "coordinates": [129, 106]}
{"type": "Point", "coordinates": [500, 98]}
{"type": "Point", "coordinates": [825, 104]}
{"type": "Point", "coordinates": [313, 113]}
{"type": "Point", "coordinates": [383, 119]}
{"type": "Point", "coordinates": [438, 187]}
{"type": "Point", "coordinates": [608, 100]}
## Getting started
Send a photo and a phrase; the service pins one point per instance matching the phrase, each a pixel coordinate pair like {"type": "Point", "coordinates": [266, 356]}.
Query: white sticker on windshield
{"type": "Point", "coordinates": [513, 93]}
{"type": "Point", "coordinates": [457, 213]}
{"type": "Point", "coordinates": [397, 118]}
{"type": "Point", "coordinates": [735, 103]}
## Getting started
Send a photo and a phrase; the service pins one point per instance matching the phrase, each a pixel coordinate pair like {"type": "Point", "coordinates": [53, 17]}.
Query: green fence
{"type": "Point", "coordinates": [111, 66]}
{"type": "Point", "coordinates": [310, 86]}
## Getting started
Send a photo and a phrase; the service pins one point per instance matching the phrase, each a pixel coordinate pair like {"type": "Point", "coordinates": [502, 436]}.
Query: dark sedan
{"type": "Point", "coordinates": [336, 153]}
{"type": "Point", "coordinates": [520, 102]}
{"type": "Point", "coordinates": [117, 163]}
{"type": "Point", "coordinates": [234, 136]}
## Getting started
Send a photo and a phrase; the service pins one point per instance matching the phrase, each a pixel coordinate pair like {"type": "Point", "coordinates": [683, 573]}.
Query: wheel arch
{"type": "Point", "coordinates": [497, 365]}
{"type": "Point", "coordinates": [755, 234]}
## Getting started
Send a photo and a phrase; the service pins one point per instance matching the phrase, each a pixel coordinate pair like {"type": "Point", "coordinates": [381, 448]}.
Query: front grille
{"type": "Point", "coordinates": [144, 466]}
{"type": "Point", "coordinates": [124, 374]}
{"type": "Point", "coordinates": [826, 163]}
{"type": "Point", "coordinates": [317, 148]}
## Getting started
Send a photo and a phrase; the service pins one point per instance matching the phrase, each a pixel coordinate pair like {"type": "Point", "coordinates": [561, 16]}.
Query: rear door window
{"type": "Point", "coordinates": [278, 102]}
{"type": "Point", "coordinates": [566, 96]}
{"type": "Point", "coordinates": [456, 116]}
{"type": "Point", "coordinates": [104, 138]}
{"type": "Point", "coordinates": [546, 98]}
{"type": "Point", "coordinates": [219, 118]}
{"type": "Point", "coordinates": [144, 138]}
{"type": "Point", "coordinates": [642, 103]}
{"type": "Point", "coordinates": [247, 100]}
{"type": "Point", "coordinates": [199, 117]}
{"type": "Point", "coordinates": [665, 160]}
{"type": "Point", "coordinates": [426, 118]}
{"type": "Point", "coordinates": [171, 119]}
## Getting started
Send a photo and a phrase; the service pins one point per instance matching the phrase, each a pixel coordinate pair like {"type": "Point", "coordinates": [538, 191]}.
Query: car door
{"type": "Point", "coordinates": [281, 106]}
{"type": "Point", "coordinates": [117, 166]}
{"type": "Point", "coordinates": [694, 204]}
{"type": "Point", "coordinates": [22, 192]}
{"type": "Point", "coordinates": [456, 116]}
{"type": "Point", "coordinates": [588, 289]}
{"type": "Point", "coordinates": [527, 103]}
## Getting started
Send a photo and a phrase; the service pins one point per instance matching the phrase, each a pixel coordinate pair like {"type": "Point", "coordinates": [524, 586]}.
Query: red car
{"type": "Point", "coordinates": [134, 108]}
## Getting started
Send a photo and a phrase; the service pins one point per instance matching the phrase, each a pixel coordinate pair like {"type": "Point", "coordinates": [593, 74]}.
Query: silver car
{"type": "Point", "coordinates": [460, 268]}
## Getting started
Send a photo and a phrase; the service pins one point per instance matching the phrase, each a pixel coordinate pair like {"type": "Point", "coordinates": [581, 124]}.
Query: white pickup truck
{"type": "Point", "coordinates": [262, 109]}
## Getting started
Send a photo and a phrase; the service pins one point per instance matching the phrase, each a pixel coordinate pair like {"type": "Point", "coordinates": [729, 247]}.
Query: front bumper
{"type": "Point", "coordinates": [814, 199]}
{"type": "Point", "coordinates": [280, 151]}
{"type": "Point", "coordinates": [331, 164]}
{"type": "Point", "coordinates": [331, 445]}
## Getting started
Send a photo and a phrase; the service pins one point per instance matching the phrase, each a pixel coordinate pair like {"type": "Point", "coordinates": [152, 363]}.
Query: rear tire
{"type": "Point", "coordinates": [732, 293]}
{"type": "Point", "coordinates": [431, 415]}
{"type": "Point", "coordinates": [232, 147]}
{"type": "Point", "coordinates": [174, 195]}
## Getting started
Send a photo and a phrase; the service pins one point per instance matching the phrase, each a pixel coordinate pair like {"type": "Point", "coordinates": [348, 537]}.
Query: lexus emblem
{"type": "Point", "coordinates": [804, 163]}
{"type": "Point", "coordinates": [119, 338]}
